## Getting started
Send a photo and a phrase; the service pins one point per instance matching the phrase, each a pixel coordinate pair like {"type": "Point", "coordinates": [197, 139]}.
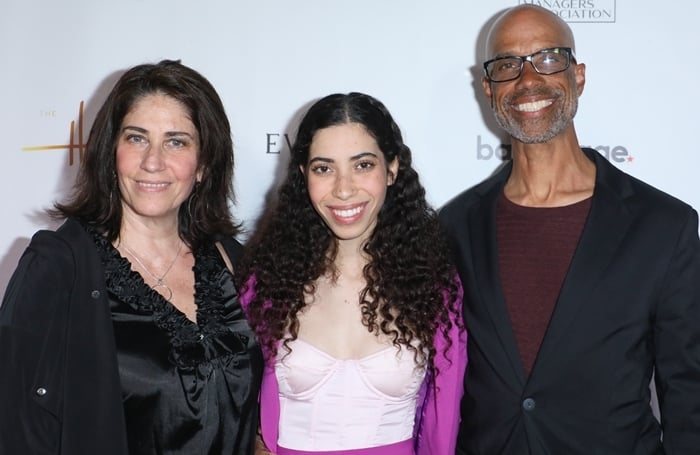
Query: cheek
{"type": "Point", "coordinates": [380, 187]}
{"type": "Point", "coordinates": [186, 169]}
{"type": "Point", "coordinates": [493, 93]}
{"type": "Point", "coordinates": [317, 189]}
{"type": "Point", "coordinates": [497, 95]}
{"type": "Point", "coordinates": [124, 161]}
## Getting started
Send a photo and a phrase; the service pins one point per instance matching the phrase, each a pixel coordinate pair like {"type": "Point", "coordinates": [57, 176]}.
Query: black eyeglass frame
{"type": "Point", "coordinates": [570, 57]}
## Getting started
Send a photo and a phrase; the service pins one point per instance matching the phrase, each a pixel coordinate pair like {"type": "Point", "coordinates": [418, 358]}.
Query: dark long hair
{"type": "Point", "coordinates": [410, 283]}
{"type": "Point", "coordinates": [96, 199]}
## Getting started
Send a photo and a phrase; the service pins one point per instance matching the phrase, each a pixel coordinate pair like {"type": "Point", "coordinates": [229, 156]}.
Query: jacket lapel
{"type": "Point", "coordinates": [482, 226]}
{"type": "Point", "coordinates": [605, 228]}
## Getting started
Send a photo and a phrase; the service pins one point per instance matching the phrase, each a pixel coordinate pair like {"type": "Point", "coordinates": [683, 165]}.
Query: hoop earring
{"type": "Point", "coordinates": [114, 187]}
{"type": "Point", "coordinates": [193, 196]}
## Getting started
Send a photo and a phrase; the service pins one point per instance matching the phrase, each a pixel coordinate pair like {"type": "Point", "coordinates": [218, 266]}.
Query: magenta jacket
{"type": "Point", "coordinates": [437, 416]}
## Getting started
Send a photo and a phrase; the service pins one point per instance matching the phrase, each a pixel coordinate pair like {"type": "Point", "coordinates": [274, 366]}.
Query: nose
{"type": "Point", "coordinates": [528, 74]}
{"type": "Point", "coordinates": [344, 187]}
{"type": "Point", "coordinates": [153, 159]}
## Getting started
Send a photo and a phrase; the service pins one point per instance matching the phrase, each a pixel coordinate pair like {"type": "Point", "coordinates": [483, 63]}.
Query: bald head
{"type": "Point", "coordinates": [527, 28]}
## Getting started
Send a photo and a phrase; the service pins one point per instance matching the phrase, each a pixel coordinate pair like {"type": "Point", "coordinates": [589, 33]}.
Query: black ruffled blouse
{"type": "Point", "coordinates": [188, 388]}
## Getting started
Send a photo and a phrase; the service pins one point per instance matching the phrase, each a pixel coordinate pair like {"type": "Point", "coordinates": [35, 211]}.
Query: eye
{"type": "Point", "coordinates": [365, 165]}
{"type": "Point", "coordinates": [135, 138]}
{"type": "Point", "coordinates": [320, 169]}
{"type": "Point", "coordinates": [174, 143]}
{"type": "Point", "coordinates": [507, 65]}
{"type": "Point", "coordinates": [552, 58]}
{"type": "Point", "coordinates": [504, 67]}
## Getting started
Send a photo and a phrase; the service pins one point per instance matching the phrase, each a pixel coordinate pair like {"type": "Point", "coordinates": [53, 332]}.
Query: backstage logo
{"type": "Point", "coordinates": [578, 10]}
{"type": "Point", "coordinates": [75, 145]}
{"type": "Point", "coordinates": [617, 154]}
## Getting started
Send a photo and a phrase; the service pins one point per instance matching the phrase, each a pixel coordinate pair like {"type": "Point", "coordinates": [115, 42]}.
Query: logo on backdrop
{"type": "Point", "coordinates": [276, 142]}
{"type": "Point", "coordinates": [578, 10]}
{"type": "Point", "coordinates": [617, 154]}
{"type": "Point", "coordinates": [75, 145]}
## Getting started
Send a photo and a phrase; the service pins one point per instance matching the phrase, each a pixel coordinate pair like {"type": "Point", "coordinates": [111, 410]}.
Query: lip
{"type": "Point", "coordinates": [531, 102]}
{"type": "Point", "coordinates": [533, 106]}
{"type": "Point", "coordinates": [151, 186]}
{"type": "Point", "coordinates": [347, 214]}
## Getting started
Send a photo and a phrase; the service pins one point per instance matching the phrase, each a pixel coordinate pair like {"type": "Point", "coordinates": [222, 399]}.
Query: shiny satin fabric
{"type": "Point", "coordinates": [188, 388]}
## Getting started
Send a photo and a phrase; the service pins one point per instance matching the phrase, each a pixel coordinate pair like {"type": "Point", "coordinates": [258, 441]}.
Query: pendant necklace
{"type": "Point", "coordinates": [160, 281]}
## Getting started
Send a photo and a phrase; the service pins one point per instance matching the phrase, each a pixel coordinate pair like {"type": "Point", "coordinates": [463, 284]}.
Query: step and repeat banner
{"type": "Point", "coordinates": [269, 59]}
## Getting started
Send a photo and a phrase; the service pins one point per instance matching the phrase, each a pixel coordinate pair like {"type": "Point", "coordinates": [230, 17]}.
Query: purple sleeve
{"type": "Point", "coordinates": [440, 411]}
{"type": "Point", "coordinates": [269, 408]}
{"type": "Point", "coordinates": [269, 391]}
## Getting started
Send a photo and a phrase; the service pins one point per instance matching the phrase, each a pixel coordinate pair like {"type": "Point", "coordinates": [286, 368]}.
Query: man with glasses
{"type": "Point", "coordinates": [581, 282]}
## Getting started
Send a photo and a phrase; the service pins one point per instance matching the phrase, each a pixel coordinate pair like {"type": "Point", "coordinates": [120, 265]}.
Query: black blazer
{"type": "Point", "coordinates": [630, 304]}
{"type": "Point", "coordinates": [59, 381]}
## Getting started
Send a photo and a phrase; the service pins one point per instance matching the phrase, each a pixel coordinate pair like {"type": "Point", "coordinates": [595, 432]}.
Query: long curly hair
{"type": "Point", "coordinates": [409, 276]}
{"type": "Point", "coordinates": [96, 199]}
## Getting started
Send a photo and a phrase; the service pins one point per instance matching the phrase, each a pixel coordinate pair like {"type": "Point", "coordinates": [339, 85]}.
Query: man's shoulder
{"type": "Point", "coordinates": [487, 189]}
{"type": "Point", "coordinates": [632, 188]}
{"type": "Point", "coordinates": [658, 197]}
{"type": "Point", "coordinates": [460, 202]}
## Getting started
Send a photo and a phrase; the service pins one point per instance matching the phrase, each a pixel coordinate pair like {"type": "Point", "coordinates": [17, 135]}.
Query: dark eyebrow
{"type": "Point", "coordinates": [135, 128]}
{"type": "Point", "coordinates": [510, 55]}
{"type": "Point", "coordinates": [357, 157]}
{"type": "Point", "coordinates": [321, 159]}
{"type": "Point", "coordinates": [178, 133]}
{"type": "Point", "coordinates": [169, 133]}
{"type": "Point", "coordinates": [497, 56]}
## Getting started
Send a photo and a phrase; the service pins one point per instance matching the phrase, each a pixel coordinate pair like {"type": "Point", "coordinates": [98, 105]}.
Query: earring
{"type": "Point", "coordinates": [193, 196]}
{"type": "Point", "coordinates": [113, 187]}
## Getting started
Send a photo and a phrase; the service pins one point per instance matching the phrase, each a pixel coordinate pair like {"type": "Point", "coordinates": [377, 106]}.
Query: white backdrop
{"type": "Point", "coordinates": [270, 58]}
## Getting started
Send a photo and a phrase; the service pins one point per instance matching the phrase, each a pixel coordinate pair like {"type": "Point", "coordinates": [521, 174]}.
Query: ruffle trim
{"type": "Point", "coordinates": [215, 296]}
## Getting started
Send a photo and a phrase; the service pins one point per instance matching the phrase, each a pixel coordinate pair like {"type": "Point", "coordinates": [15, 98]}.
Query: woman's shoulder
{"type": "Point", "coordinates": [44, 272]}
{"type": "Point", "coordinates": [57, 245]}
{"type": "Point", "coordinates": [233, 248]}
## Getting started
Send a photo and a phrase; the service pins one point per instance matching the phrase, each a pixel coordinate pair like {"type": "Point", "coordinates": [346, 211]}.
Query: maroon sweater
{"type": "Point", "coordinates": [535, 248]}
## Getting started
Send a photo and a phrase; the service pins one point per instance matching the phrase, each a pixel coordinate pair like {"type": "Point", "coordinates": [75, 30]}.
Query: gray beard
{"type": "Point", "coordinates": [559, 125]}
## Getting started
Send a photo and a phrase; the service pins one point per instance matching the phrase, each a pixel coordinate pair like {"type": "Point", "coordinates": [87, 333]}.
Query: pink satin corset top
{"type": "Point", "coordinates": [332, 404]}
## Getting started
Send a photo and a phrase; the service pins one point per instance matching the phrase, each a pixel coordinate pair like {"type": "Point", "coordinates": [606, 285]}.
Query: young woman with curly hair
{"type": "Point", "coordinates": [352, 294]}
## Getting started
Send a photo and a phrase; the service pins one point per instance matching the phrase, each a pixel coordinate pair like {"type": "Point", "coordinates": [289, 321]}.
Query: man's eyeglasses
{"type": "Point", "coordinates": [546, 61]}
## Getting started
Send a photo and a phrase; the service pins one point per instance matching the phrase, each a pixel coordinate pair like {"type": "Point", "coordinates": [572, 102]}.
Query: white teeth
{"type": "Point", "coordinates": [347, 213]}
{"type": "Point", "coordinates": [534, 106]}
{"type": "Point", "coordinates": [153, 185]}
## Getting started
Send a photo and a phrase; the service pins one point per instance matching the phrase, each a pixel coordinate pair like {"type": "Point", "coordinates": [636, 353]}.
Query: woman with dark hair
{"type": "Point", "coordinates": [353, 297]}
{"type": "Point", "coordinates": [121, 332]}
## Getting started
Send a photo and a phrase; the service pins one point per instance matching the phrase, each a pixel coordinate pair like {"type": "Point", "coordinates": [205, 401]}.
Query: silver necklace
{"type": "Point", "coordinates": [160, 281]}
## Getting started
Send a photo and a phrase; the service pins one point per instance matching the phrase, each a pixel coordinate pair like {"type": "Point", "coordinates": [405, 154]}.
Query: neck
{"type": "Point", "coordinates": [155, 258]}
{"type": "Point", "coordinates": [153, 238]}
{"type": "Point", "coordinates": [551, 174]}
{"type": "Point", "coordinates": [350, 259]}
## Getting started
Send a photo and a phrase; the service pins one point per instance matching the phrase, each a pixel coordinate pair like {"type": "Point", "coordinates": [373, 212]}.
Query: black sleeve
{"type": "Point", "coordinates": [677, 343]}
{"type": "Point", "coordinates": [32, 328]}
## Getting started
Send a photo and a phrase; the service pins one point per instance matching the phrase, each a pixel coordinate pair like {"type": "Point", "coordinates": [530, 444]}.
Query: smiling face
{"type": "Point", "coordinates": [533, 108]}
{"type": "Point", "coordinates": [156, 158]}
{"type": "Point", "coordinates": [347, 178]}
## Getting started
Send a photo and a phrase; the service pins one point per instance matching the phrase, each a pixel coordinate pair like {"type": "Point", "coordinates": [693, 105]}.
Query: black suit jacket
{"type": "Point", "coordinates": [630, 304]}
{"type": "Point", "coordinates": [60, 391]}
